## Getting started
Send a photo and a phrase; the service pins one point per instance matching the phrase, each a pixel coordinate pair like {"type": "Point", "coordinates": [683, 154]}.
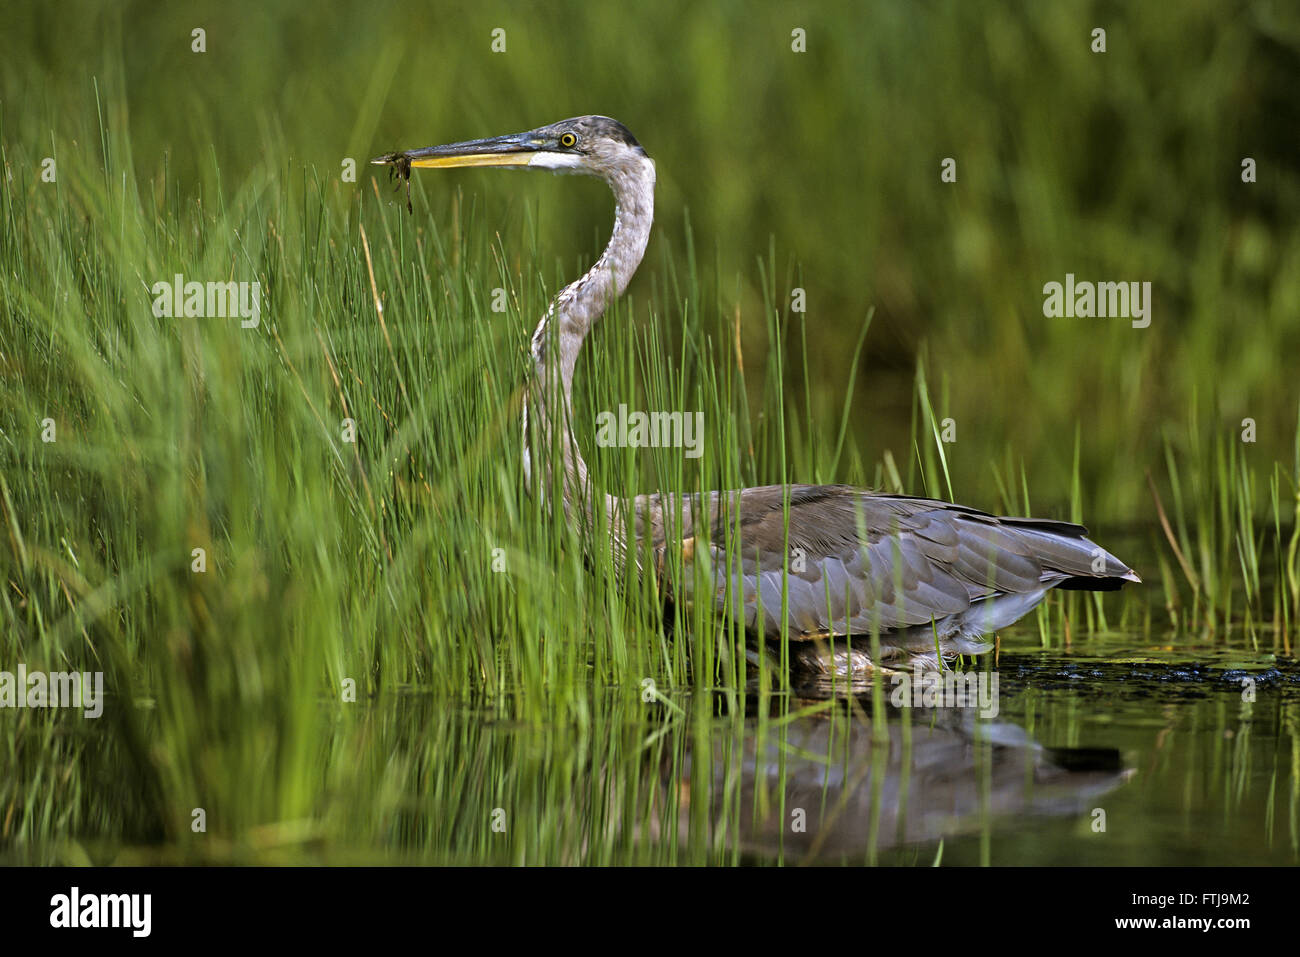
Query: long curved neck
{"type": "Point", "coordinates": [548, 402]}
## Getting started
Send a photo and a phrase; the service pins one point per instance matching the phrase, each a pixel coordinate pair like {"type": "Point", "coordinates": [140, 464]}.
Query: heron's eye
{"type": "Point", "coordinates": [568, 140]}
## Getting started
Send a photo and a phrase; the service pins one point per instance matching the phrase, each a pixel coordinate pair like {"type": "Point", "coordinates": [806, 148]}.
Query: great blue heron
{"type": "Point", "coordinates": [927, 579]}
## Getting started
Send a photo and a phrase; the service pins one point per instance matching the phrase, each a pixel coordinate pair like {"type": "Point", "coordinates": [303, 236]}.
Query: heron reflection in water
{"type": "Point", "coordinates": [855, 791]}
{"type": "Point", "coordinates": [927, 579]}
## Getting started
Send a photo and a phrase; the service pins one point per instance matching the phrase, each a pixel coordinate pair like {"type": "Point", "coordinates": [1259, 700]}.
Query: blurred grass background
{"type": "Point", "coordinates": [1112, 166]}
{"type": "Point", "coordinates": [817, 170]}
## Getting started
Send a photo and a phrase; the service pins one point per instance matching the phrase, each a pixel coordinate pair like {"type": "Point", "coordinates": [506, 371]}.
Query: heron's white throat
{"type": "Point", "coordinates": [545, 159]}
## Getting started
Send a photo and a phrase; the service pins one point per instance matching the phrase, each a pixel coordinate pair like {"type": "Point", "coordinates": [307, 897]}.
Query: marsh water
{"type": "Point", "coordinates": [1118, 747]}
{"type": "Point", "coordinates": [1116, 750]}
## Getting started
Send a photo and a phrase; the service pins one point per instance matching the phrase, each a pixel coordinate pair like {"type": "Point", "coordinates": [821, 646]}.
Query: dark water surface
{"type": "Point", "coordinates": [1118, 750]}
{"type": "Point", "coordinates": [1112, 752]}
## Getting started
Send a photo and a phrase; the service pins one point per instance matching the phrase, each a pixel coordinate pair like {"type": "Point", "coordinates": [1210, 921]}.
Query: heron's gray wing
{"type": "Point", "coordinates": [859, 562]}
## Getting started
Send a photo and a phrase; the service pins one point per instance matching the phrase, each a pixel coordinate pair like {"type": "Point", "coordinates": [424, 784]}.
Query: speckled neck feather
{"type": "Point", "coordinates": [548, 405]}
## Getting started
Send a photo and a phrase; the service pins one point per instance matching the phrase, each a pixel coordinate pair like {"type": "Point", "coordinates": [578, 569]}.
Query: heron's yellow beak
{"type": "Point", "coordinates": [517, 149]}
{"type": "Point", "coordinates": [478, 159]}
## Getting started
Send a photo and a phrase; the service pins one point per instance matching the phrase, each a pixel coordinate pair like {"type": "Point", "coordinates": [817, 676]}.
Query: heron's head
{"type": "Point", "coordinates": [595, 145]}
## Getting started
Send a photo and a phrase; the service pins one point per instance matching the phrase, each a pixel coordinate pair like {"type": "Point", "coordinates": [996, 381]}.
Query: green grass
{"type": "Point", "coordinates": [374, 562]}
